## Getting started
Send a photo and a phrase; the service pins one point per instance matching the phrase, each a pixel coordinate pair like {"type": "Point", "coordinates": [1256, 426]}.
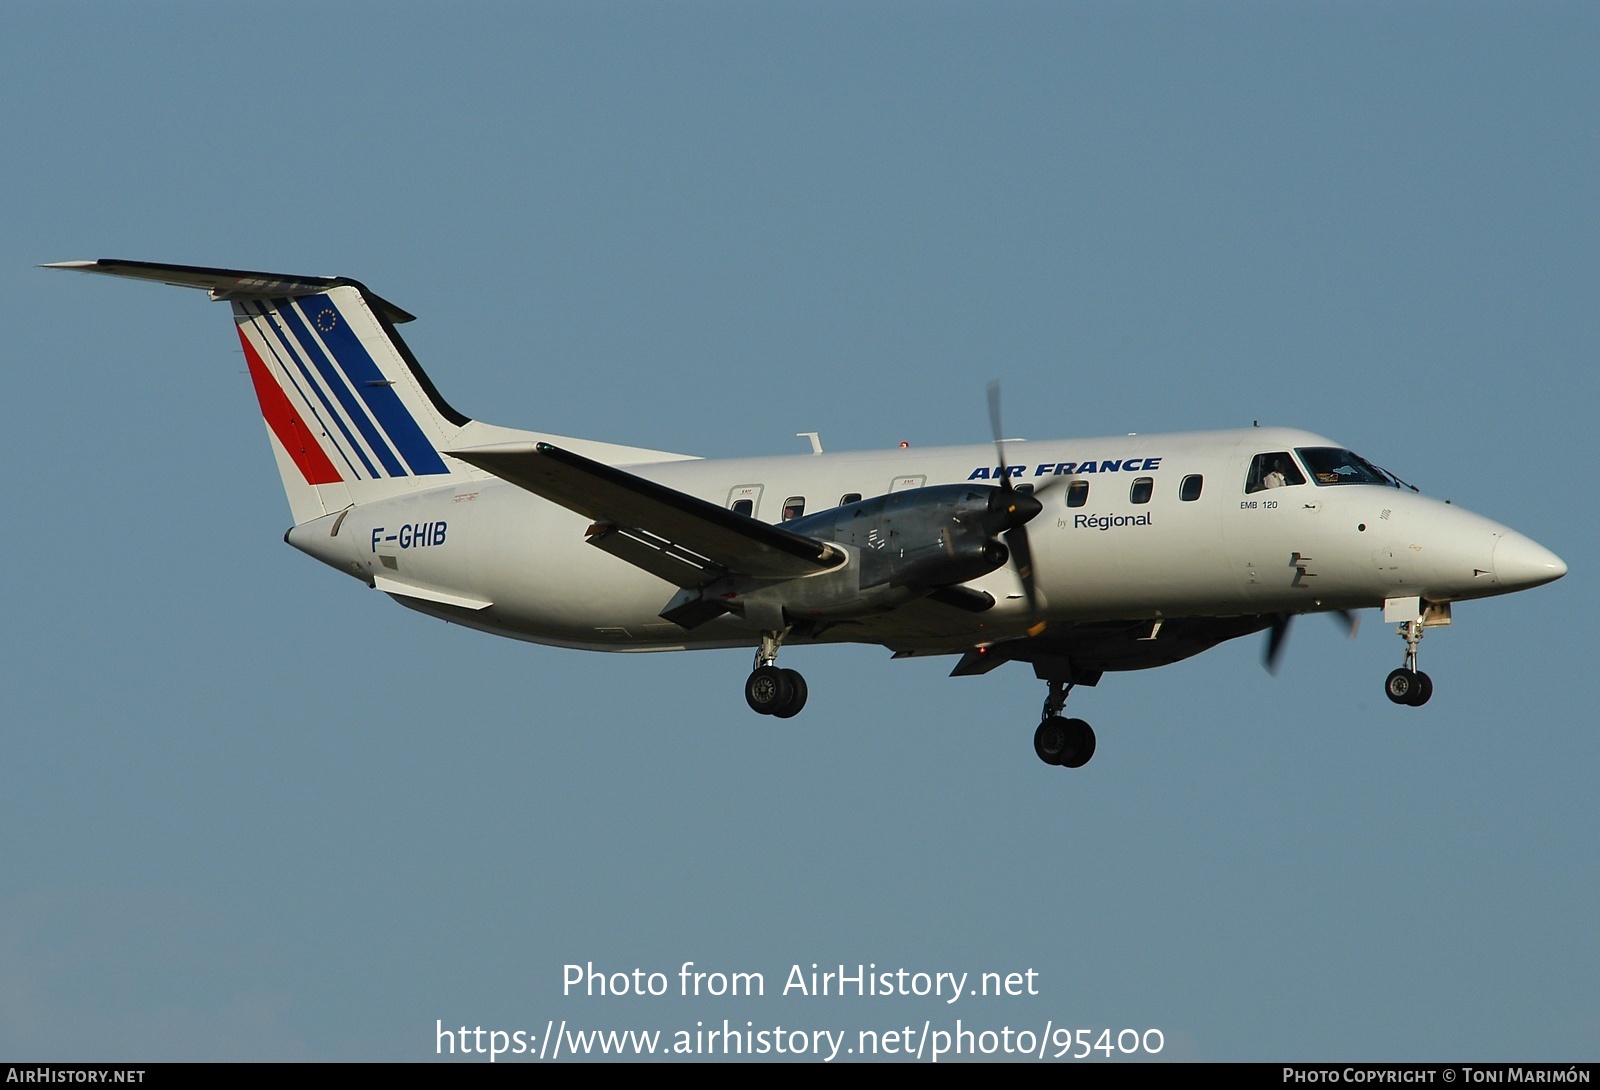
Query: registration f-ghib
{"type": "Point", "coordinates": [1077, 556]}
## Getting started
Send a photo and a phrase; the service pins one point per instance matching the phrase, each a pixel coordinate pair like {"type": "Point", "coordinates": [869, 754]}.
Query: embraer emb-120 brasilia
{"type": "Point", "coordinates": [1083, 556]}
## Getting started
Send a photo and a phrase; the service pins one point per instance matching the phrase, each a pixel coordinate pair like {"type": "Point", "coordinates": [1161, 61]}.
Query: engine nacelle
{"type": "Point", "coordinates": [921, 538]}
{"type": "Point", "coordinates": [899, 547]}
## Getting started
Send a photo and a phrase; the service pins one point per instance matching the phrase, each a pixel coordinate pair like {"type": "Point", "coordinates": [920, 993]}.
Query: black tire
{"type": "Point", "coordinates": [797, 695]}
{"type": "Point", "coordinates": [1081, 743]}
{"type": "Point", "coordinates": [1050, 741]}
{"type": "Point", "coordinates": [1401, 686]}
{"type": "Point", "coordinates": [767, 691]}
{"type": "Point", "coordinates": [1423, 690]}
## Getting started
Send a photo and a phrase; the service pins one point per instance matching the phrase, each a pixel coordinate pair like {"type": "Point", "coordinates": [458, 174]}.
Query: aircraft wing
{"type": "Point", "coordinates": [681, 538]}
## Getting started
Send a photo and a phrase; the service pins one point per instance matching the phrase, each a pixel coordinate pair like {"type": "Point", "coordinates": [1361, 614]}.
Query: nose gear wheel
{"type": "Point", "coordinates": [1408, 685]}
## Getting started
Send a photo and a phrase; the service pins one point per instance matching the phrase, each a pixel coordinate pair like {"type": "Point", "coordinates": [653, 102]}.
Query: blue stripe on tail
{"type": "Point", "coordinates": [271, 322]}
{"type": "Point", "coordinates": [335, 380]}
{"type": "Point", "coordinates": [375, 390]}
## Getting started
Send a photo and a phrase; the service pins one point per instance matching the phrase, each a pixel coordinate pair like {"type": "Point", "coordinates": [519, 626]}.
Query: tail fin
{"type": "Point", "coordinates": [350, 413]}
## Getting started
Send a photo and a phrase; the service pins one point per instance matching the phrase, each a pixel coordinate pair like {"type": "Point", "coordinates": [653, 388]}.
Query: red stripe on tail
{"type": "Point", "coordinates": [292, 432]}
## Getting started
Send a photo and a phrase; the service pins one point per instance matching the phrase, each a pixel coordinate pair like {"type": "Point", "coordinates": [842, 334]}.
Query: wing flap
{"type": "Point", "coordinates": [658, 556]}
{"type": "Point", "coordinates": [674, 535]}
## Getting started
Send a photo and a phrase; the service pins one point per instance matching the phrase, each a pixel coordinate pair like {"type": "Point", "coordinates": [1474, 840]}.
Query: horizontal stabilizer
{"type": "Point", "coordinates": [231, 283]}
{"type": "Point", "coordinates": [676, 536]}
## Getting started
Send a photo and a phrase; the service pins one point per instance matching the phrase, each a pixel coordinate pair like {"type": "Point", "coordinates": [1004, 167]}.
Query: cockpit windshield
{"type": "Point", "coordinates": [1331, 465]}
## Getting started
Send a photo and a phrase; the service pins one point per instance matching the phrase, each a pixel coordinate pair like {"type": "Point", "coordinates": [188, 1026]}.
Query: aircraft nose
{"type": "Point", "coordinates": [1522, 562]}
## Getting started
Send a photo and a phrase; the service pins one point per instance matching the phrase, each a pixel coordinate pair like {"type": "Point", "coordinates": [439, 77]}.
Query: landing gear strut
{"type": "Point", "coordinates": [769, 690]}
{"type": "Point", "coordinates": [1408, 685]}
{"type": "Point", "coordinates": [1068, 743]}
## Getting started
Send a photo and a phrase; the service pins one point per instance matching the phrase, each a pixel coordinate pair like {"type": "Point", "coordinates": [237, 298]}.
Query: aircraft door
{"type": "Point", "coordinates": [745, 499]}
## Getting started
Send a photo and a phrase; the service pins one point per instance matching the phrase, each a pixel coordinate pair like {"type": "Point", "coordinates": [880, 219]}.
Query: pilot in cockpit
{"type": "Point", "coordinates": [1273, 470]}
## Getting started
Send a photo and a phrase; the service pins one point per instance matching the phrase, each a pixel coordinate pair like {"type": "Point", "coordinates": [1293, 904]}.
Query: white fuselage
{"type": "Point", "coordinates": [482, 552]}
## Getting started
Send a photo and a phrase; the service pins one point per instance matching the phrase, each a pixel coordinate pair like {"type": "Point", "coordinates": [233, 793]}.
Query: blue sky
{"type": "Point", "coordinates": [250, 810]}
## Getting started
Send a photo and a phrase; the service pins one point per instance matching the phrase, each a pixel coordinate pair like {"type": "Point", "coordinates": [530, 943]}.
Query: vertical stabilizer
{"type": "Point", "coordinates": [341, 397]}
{"type": "Point", "coordinates": [350, 414]}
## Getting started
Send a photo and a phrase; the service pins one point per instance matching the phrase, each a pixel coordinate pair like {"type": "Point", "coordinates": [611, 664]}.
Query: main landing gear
{"type": "Point", "coordinates": [1408, 685]}
{"type": "Point", "coordinates": [1059, 741]}
{"type": "Point", "coordinates": [769, 690]}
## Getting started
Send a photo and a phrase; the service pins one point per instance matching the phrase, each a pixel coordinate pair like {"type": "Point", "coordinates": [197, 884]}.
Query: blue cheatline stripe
{"type": "Point", "coordinates": [270, 323]}
{"type": "Point", "coordinates": [341, 390]}
{"type": "Point", "coordinates": [375, 390]}
{"type": "Point", "coordinates": [269, 343]}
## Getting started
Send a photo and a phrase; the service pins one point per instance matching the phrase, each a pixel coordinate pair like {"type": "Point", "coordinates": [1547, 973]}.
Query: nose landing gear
{"type": "Point", "coordinates": [769, 690]}
{"type": "Point", "coordinates": [1408, 685]}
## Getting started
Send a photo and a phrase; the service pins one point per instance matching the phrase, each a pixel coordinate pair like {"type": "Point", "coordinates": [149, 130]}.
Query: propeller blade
{"type": "Point", "coordinates": [1059, 480]}
{"type": "Point", "coordinates": [1054, 482]}
{"type": "Point", "coordinates": [994, 425]}
{"type": "Point", "coordinates": [1275, 638]}
{"type": "Point", "coordinates": [1016, 508]}
{"type": "Point", "coordinates": [1280, 632]}
{"type": "Point", "coordinates": [1022, 554]}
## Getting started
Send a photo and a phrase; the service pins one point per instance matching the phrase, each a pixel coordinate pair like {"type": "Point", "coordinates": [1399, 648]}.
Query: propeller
{"type": "Point", "coordinates": [1013, 507]}
{"type": "Point", "coordinates": [1280, 632]}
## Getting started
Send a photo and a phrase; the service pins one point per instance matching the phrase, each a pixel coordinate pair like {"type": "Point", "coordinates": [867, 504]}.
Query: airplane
{"type": "Point", "coordinates": [1085, 556]}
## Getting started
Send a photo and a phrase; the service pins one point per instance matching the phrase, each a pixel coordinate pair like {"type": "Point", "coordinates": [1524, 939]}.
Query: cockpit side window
{"type": "Point", "coordinates": [1273, 470]}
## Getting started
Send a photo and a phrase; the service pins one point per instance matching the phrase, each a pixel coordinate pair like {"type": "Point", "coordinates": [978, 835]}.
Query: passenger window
{"type": "Point", "coordinates": [744, 507]}
{"type": "Point", "coordinates": [1142, 487]}
{"type": "Point", "coordinates": [849, 497]}
{"type": "Point", "coordinates": [1025, 489]}
{"type": "Point", "coordinates": [1077, 493]}
{"type": "Point", "coordinates": [1272, 471]}
{"type": "Point", "coordinates": [794, 507]}
{"type": "Point", "coordinates": [1189, 490]}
